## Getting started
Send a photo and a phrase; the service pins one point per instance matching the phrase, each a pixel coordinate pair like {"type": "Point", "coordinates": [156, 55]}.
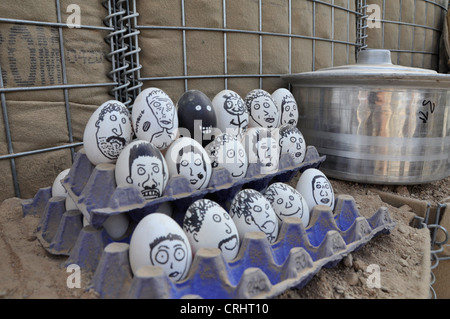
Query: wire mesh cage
{"type": "Point", "coordinates": [60, 60]}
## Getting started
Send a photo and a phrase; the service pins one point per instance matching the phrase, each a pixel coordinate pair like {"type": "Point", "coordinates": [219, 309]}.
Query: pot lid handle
{"type": "Point", "coordinates": [374, 56]}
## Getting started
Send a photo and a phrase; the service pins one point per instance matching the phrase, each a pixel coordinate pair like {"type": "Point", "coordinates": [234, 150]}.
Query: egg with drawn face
{"type": "Point", "coordinates": [155, 118]}
{"type": "Point", "coordinates": [159, 241]}
{"type": "Point", "coordinates": [208, 225]}
{"type": "Point", "coordinates": [107, 132]}
{"type": "Point", "coordinates": [228, 152]}
{"type": "Point", "coordinates": [316, 188]}
{"type": "Point", "coordinates": [263, 112]}
{"type": "Point", "coordinates": [252, 212]}
{"type": "Point", "coordinates": [142, 165]}
{"type": "Point", "coordinates": [186, 157]}
{"type": "Point", "coordinates": [261, 146]}
{"type": "Point", "coordinates": [197, 118]}
{"type": "Point", "coordinates": [292, 142]}
{"type": "Point", "coordinates": [287, 105]}
{"type": "Point", "coordinates": [286, 201]}
{"type": "Point", "coordinates": [232, 114]}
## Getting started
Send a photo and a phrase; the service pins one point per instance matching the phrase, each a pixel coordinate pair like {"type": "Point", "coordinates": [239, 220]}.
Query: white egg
{"type": "Point", "coordinates": [107, 132]}
{"type": "Point", "coordinates": [261, 146]}
{"type": "Point", "coordinates": [231, 112]}
{"type": "Point", "coordinates": [228, 152]}
{"type": "Point", "coordinates": [287, 105]}
{"type": "Point", "coordinates": [263, 112]}
{"type": "Point", "coordinates": [286, 201]}
{"type": "Point", "coordinates": [291, 141]}
{"type": "Point", "coordinates": [158, 240]}
{"type": "Point", "coordinates": [188, 158]}
{"type": "Point", "coordinates": [316, 188]}
{"type": "Point", "coordinates": [155, 118]}
{"type": "Point", "coordinates": [142, 165]}
{"type": "Point", "coordinates": [116, 225]}
{"type": "Point", "coordinates": [252, 212]}
{"type": "Point", "coordinates": [57, 188]}
{"type": "Point", "coordinates": [208, 225]}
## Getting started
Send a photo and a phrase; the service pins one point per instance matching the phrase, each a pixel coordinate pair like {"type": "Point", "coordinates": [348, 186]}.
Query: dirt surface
{"type": "Point", "coordinates": [27, 270]}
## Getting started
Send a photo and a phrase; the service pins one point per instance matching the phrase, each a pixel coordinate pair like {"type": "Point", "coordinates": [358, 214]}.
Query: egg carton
{"type": "Point", "coordinates": [94, 191]}
{"type": "Point", "coordinates": [260, 270]}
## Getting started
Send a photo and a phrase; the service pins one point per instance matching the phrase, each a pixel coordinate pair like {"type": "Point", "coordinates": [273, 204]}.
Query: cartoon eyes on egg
{"type": "Point", "coordinates": [199, 108]}
{"type": "Point", "coordinates": [218, 219]}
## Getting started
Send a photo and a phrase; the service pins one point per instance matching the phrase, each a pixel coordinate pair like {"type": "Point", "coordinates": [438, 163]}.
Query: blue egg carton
{"type": "Point", "coordinates": [260, 270]}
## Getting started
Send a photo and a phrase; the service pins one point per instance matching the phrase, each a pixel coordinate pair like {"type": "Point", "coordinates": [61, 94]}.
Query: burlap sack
{"type": "Point", "coordinates": [30, 56]}
{"type": "Point", "coordinates": [163, 54]}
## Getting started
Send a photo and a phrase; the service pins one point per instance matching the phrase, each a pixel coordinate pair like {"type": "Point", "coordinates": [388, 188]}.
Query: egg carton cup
{"type": "Point", "coordinates": [261, 270]}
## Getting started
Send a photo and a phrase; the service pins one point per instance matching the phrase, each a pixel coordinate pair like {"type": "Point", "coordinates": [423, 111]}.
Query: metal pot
{"type": "Point", "coordinates": [376, 122]}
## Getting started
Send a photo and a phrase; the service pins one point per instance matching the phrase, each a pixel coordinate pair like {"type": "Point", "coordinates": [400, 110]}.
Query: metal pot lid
{"type": "Point", "coordinates": [374, 66]}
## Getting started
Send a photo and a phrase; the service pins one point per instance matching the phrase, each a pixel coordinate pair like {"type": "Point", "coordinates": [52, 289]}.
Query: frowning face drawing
{"type": "Point", "coordinates": [251, 211]}
{"type": "Point", "coordinates": [146, 170]}
{"type": "Point", "coordinates": [170, 252]}
{"type": "Point", "coordinates": [208, 225]}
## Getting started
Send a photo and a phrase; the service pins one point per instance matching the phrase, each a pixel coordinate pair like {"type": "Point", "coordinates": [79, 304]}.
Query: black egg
{"type": "Point", "coordinates": [197, 117]}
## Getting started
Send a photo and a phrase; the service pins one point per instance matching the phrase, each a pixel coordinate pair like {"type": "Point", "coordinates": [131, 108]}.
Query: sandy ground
{"type": "Point", "coordinates": [27, 270]}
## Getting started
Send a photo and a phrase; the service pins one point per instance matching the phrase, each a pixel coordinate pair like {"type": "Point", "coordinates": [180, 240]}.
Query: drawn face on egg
{"type": "Point", "coordinates": [292, 142]}
{"type": "Point", "coordinates": [155, 117]}
{"type": "Point", "coordinates": [255, 211]}
{"type": "Point", "coordinates": [287, 105]}
{"type": "Point", "coordinates": [142, 166]}
{"type": "Point", "coordinates": [232, 114]}
{"type": "Point", "coordinates": [322, 191]}
{"type": "Point", "coordinates": [209, 225]}
{"type": "Point", "coordinates": [197, 116]}
{"type": "Point", "coordinates": [171, 253]}
{"type": "Point", "coordinates": [261, 146]}
{"type": "Point", "coordinates": [262, 109]}
{"type": "Point", "coordinates": [113, 129]}
{"type": "Point", "coordinates": [287, 202]}
{"type": "Point", "coordinates": [191, 164]}
{"type": "Point", "coordinates": [228, 152]}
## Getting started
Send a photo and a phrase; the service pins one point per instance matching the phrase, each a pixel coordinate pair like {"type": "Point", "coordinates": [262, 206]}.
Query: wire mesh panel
{"type": "Point", "coordinates": [240, 45]}
{"type": "Point", "coordinates": [410, 29]}
{"type": "Point", "coordinates": [59, 60]}
{"type": "Point", "coordinates": [54, 73]}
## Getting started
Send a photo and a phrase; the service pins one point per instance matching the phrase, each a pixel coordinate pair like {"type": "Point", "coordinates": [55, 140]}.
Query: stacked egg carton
{"type": "Point", "coordinates": [259, 270]}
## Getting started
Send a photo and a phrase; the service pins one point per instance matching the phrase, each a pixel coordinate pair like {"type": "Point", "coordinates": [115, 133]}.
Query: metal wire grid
{"type": "Point", "coordinates": [436, 246]}
{"type": "Point", "coordinates": [258, 32]}
{"type": "Point", "coordinates": [121, 21]}
{"type": "Point", "coordinates": [12, 155]}
{"type": "Point", "coordinates": [439, 6]}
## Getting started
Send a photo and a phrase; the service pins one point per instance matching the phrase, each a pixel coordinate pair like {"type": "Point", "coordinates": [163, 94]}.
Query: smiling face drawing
{"type": "Point", "coordinates": [113, 130]}
{"type": "Point", "coordinates": [287, 202]}
{"type": "Point", "coordinates": [208, 225]}
{"type": "Point", "coordinates": [262, 109]}
{"type": "Point", "coordinates": [322, 191]}
{"type": "Point", "coordinates": [170, 252]}
{"type": "Point", "coordinates": [228, 152]}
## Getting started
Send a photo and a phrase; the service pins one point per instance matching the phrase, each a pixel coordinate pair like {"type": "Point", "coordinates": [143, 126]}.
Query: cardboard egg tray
{"type": "Point", "coordinates": [260, 270]}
